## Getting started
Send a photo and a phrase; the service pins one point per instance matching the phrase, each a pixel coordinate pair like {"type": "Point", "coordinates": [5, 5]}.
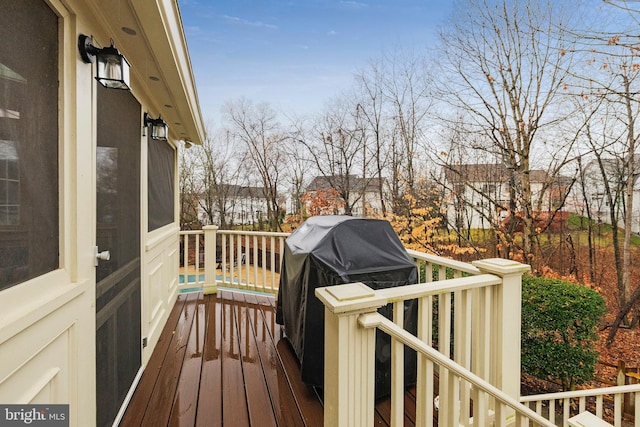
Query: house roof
{"type": "Point", "coordinates": [240, 191]}
{"type": "Point", "coordinates": [476, 172]}
{"type": "Point", "coordinates": [494, 172]}
{"type": "Point", "coordinates": [340, 181]}
{"type": "Point", "coordinates": [151, 36]}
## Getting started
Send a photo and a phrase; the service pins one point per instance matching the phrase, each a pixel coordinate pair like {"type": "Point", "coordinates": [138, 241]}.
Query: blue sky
{"type": "Point", "coordinates": [296, 55]}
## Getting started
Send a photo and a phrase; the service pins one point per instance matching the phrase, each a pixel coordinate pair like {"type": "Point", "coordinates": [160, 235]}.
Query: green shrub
{"type": "Point", "coordinates": [559, 324]}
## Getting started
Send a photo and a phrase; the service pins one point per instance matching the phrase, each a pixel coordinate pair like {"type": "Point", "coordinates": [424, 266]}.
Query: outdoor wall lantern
{"type": "Point", "coordinates": [159, 128]}
{"type": "Point", "coordinates": [113, 68]}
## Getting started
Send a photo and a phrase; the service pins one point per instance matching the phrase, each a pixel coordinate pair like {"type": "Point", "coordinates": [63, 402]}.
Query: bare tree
{"type": "Point", "coordinates": [407, 91]}
{"type": "Point", "coordinates": [298, 170]}
{"type": "Point", "coordinates": [189, 184]}
{"type": "Point", "coordinates": [219, 167]}
{"type": "Point", "coordinates": [505, 67]}
{"type": "Point", "coordinates": [467, 201]}
{"type": "Point", "coordinates": [370, 84]}
{"type": "Point", "coordinates": [612, 75]}
{"type": "Point", "coordinates": [336, 146]}
{"type": "Point", "coordinates": [255, 127]}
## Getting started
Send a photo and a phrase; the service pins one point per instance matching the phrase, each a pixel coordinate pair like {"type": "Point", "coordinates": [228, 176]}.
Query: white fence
{"type": "Point", "coordinates": [606, 403]}
{"type": "Point", "coordinates": [247, 260]}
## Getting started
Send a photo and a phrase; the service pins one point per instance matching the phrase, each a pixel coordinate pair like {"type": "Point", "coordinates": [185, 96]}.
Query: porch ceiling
{"type": "Point", "coordinates": [159, 58]}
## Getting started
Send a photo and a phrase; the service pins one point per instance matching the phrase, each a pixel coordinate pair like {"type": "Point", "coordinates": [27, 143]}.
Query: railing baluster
{"type": "Point", "coordinates": [244, 262]}
{"type": "Point", "coordinates": [462, 346]}
{"type": "Point", "coordinates": [273, 261]}
{"type": "Point", "coordinates": [196, 260]}
{"type": "Point", "coordinates": [185, 259]}
{"type": "Point", "coordinates": [617, 411]}
{"type": "Point", "coordinates": [255, 263]}
{"type": "Point", "coordinates": [444, 346]}
{"type": "Point", "coordinates": [499, 413]}
{"type": "Point", "coordinates": [224, 258]}
{"type": "Point", "coordinates": [397, 369]}
{"type": "Point", "coordinates": [480, 407]}
{"type": "Point", "coordinates": [263, 246]}
{"type": "Point", "coordinates": [237, 261]}
{"type": "Point", "coordinates": [599, 400]}
{"type": "Point", "coordinates": [281, 263]}
{"type": "Point", "coordinates": [424, 379]}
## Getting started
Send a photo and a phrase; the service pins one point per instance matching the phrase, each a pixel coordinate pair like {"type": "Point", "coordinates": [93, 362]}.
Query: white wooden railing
{"type": "Point", "coordinates": [477, 361]}
{"type": "Point", "coordinates": [247, 260]}
{"type": "Point", "coordinates": [559, 407]}
{"type": "Point", "coordinates": [473, 307]}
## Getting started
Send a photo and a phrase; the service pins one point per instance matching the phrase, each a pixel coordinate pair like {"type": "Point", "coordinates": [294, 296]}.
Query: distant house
{"type": "Point", "coordinates": [243, 205]}
{"type": "Point", "coordinates": [479, 195]}
{"type": "Point", "coordinates": [600, 206]}
{"type": "Point", "coordinates": [363, 194]}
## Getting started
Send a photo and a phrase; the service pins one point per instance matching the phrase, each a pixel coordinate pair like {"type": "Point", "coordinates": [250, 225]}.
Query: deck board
{"type": "Point", "coordinates": [209, 411]}
{"type": "Point", "coordinates": [164, 392]}
{"type": "Point", "coordinates": [222, 360]}
{"type": "Point", "coordinates": [138, 407]}
{"type": "Point", "coordinates": [234, 403]}
{"type": "Point", "coordinates": [257, 394]}
{"type": "Point", "coordinates": [185, 401]}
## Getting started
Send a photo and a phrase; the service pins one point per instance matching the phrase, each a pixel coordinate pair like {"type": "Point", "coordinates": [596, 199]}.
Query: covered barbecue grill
{"type": "Point", "coordinates": [333, 250]}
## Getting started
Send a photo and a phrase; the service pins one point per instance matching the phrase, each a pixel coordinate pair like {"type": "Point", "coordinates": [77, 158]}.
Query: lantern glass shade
{"type": "Point", "coordinates": [159, 131]}
{"type": "Point", "coordinates": [113, 69]}
{"type": "Point", "coordinates": [159, 128]}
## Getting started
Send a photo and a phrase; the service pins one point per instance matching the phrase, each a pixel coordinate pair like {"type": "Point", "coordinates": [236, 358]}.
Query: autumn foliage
{"type": "Point", "coordinates": [323, 202]}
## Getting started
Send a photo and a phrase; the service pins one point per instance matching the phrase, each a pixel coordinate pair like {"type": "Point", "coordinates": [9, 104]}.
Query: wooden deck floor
{"type": "Point", "coordinates": [222, 360]}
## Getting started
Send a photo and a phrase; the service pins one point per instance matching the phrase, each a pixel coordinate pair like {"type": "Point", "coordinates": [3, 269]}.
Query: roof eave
{"type": "Point", "coordinates": [159, 58]}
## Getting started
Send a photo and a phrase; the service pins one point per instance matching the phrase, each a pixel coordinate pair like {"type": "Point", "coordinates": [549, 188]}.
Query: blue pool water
{"type": "Point", "coordinates": [191, 278]}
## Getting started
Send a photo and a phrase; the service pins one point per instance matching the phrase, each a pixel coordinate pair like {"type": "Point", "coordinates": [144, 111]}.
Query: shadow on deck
{"type": "Point", "coordinates": [223, 360]}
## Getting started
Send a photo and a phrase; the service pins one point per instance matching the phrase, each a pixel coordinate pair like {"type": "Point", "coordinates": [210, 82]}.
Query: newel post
{"type": "Point", "coordinates": [210, 283]}
{"type": "Point", "coordinates": [505, 353]}
{"type": "Point", "coordinates": [349, 355]}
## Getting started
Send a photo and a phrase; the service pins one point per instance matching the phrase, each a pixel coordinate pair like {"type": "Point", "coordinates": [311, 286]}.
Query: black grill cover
{"type": "Point", "coordinates": [333, 250]}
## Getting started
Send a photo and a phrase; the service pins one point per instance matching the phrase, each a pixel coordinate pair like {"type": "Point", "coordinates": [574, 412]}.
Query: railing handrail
{"type": "Point", "coordinates": [602, 391]}
{"type": "Point", "coordinates": [376, 320]}
{"type": "Point", "coordinates": [384, 296]}
{"type": "Point", "coordinates": [421, 290]}
{"type": "Point", "coordinates": [254, 233]}
{"type": "Point", "coordinates": [446, 262]}
{"type": "Point", "coordinates": [191, 232]}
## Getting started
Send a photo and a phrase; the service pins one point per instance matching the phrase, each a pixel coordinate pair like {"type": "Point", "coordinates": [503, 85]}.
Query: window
{"type": "Point", "coordinates": [488, 188]}
{"type": "Point", "coordinates": [161, 164]}
{"type": "Point", "coordinates": [29, 205]}
{"type": "Point", "coordinates": [9, 184]}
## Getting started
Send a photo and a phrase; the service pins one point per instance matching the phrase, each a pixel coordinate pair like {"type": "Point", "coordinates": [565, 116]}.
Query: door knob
{"type": "Point", "coordinates": [104, 255]}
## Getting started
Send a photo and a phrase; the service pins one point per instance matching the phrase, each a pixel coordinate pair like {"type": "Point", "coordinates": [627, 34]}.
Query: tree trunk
{"type": "Point", "coordinates": [628, 218]}
{"type": "Point", "coordinates": [622, 314]}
